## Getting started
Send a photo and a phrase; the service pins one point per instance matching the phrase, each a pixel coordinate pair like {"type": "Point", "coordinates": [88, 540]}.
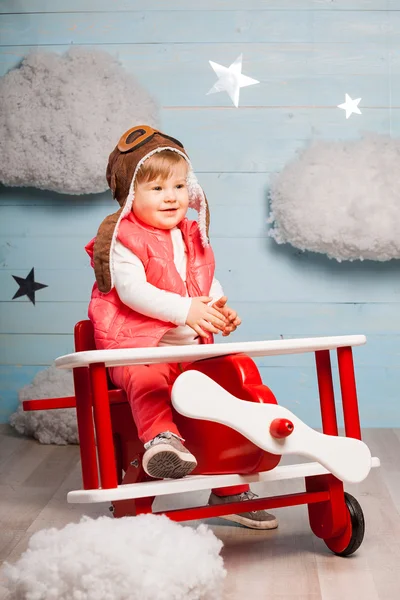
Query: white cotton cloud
{"type": "Point", "coordinates": [62, 115]}
{"type": "Point", "coordinates": [48, 426]}
{"type": "Point", "coordinates": [341, 199]}
{"type": "Point", "coordinates": [147, 557]}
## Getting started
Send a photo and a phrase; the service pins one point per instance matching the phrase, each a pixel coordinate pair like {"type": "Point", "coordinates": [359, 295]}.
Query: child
{"type": "Point", "coordinates": [156, 287]}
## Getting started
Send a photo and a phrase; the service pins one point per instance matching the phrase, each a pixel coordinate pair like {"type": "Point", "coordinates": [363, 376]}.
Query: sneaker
{"type": "Point", "coordinates": [166, 457]}
{"type": "Point", "coordinates": [256, 519]}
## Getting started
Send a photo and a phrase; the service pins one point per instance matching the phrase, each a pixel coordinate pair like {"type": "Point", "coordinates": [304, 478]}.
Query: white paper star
{"type": "Point", "coordinates": [230, 79]}
{"type": "Point", "coordinates": [350, 106]}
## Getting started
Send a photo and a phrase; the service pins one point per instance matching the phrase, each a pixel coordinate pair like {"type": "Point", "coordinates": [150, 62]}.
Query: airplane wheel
{"type": "Point", "coordinates": [351, 539]}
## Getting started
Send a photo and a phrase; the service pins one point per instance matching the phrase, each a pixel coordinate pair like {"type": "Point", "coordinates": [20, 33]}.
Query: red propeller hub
{"type": "Point", "coordinates": [281, 428]}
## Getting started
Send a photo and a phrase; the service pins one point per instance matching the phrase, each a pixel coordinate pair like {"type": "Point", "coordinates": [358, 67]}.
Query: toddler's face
{"type": "Point", "coordinates": [163, 203]}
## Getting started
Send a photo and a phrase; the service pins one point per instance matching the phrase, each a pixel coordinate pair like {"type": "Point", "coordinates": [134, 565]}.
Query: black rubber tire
{"type": "Point", "coordinates": [357, 524]}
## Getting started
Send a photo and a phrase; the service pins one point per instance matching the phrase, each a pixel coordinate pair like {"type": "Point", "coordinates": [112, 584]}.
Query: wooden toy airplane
{"type": "Point", "coordinates": [220, 401]}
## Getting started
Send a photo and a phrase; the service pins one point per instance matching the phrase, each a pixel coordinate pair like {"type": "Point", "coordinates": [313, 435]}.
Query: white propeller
{"type": "Point", "coordinates": [197, 396]}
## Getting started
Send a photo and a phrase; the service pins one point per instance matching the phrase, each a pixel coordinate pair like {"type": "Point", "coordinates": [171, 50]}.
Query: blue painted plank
{"type": "Point", "coordinates": [53, 6]}
{"type": "Point", "coordinates": [377, 393]}
{"type": "Point", "coordinates": [214, 138]}
{"type": "Point", "coordinates": [274, 135]}
{"type": "Point", "coordinates": [221, 188]}
{"type": "Point", "coordinates": [34, 349]}
{"type": "Point", "coordinates": [266, 62]}
{"type": "Point", "coordinates": [158, 27]}
{"type": "Point", "coordinates": [395, 71]}
{"type": "Point", "coordinates": [38, 222]}
{"type": "Point", "coordinates": [259, 270]}
{"type": "Point", "coordinates": [21, 317]}
{"type": "Point", "coordinates": [282, 274]}
{"type": "Point", "coordinates": [67, 285]}
{"type": "Point", "coordinates": [33, 197]}
{"type": "Point", "coordinates": [295, 388]}
{"type": "Point", "coordinates": [33, 222]}
{"type": "Point", "coordinates": [271, 319]}
{"type": "Point", "coordinates": [199, 26]}
{"type": "Point", "coordinates": [328, 284]}
{"type": "Point", "coordinates": [380, 351]}
{"type": "Point", "coordinates": [22, 254]}
{"type": "Point", "coordinates": [290, 75]}
{"type": "Point", "coordinates": [12, 379]}
{"type": "Point", "coordinates": [265, 139]}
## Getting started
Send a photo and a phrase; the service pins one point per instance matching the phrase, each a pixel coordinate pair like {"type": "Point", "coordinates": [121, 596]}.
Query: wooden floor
{"type": "Point", "coordinates": [289, 563]}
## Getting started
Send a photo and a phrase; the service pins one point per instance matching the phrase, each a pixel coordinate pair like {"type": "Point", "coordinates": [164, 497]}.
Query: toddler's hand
{"type": "Point", "coordinates": [203, 318]}
{"type": "Point", "coordinates": [231, 315]}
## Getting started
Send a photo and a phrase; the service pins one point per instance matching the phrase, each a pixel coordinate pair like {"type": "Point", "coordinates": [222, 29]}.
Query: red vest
{"type": "Point", "coordinates": [118, 326]}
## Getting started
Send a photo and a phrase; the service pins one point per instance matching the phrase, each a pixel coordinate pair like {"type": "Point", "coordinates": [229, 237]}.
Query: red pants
{"type": "Point", "coordinates": [147, 388]}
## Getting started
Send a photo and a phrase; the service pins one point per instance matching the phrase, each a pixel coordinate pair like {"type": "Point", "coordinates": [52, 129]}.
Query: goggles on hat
{"type": "Point", "coordinates": [138, 136]}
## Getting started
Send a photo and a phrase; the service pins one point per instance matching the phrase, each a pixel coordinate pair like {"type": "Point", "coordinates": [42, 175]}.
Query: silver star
{"type": "Point", "coordinates": [230, 79]}
{"type": "Point", "coordinates": [350, 106]}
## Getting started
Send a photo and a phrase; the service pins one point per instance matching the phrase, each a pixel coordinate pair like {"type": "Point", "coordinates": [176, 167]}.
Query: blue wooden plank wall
{"type": "Point", "coordinates": [306, 54]}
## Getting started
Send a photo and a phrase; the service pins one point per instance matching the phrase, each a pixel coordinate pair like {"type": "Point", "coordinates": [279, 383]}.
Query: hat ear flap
{"type": "Point", "coordinates": [207, 217]}
{"type": "Point", "coordinates": [113, 184]}
{"type": "Point", "coordinates": [117, 191]}
{"type": "Point", "coordinates": [198, 201]}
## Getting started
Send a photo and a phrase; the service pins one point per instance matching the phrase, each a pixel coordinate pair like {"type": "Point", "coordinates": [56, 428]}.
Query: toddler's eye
{"type": "Point", "coordinates": [157, 188]}
{"type": "Point", "coordinates": [180, 186]}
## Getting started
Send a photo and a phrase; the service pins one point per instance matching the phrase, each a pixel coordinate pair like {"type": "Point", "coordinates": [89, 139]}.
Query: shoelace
{"type": "Point", "coordinates": [163, 436]}
{"type": "Point", "coordinates": [250, 496]}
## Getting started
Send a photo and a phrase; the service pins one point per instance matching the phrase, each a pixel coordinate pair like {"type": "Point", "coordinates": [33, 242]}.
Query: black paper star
{"type": "Point", "coordinates": [28, 286]}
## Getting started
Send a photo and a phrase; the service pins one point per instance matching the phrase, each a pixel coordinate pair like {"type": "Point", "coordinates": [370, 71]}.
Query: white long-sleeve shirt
{"type": "Point", "coordinates": [135, 291]}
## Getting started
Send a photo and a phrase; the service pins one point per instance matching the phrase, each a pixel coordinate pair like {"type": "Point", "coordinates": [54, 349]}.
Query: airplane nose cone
{"type": "Point", "coordinates": [281, 428]}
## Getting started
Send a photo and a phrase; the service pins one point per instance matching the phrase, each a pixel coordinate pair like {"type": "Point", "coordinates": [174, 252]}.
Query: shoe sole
{"type": "Point", "coordinates": [249, 523]}
{"type": "Point", "coordinates": [169, 464]}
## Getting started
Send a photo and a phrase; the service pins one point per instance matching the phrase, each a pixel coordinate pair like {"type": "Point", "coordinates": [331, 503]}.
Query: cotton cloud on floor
{"type": "Point", "coordinates": [341, 199]}
{"type": "Point", "coordinates": [61, 116]}
{"type": "Point", "coordinates": [147, 557]}
{"type": "Point", "coordinates": [48, 426]}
